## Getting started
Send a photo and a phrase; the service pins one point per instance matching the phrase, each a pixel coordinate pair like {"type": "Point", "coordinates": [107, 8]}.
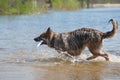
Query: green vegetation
{"type": "Point", "coordinates": [21, 7]}
{"type": "Point", "coordinates": [41, 6]}
{"type": "Point", "coordinates": [66, 4]}
{"type": "Point", "coordinates": [36, 6]}
{"type": "Point", "coordinates": [3, 6]}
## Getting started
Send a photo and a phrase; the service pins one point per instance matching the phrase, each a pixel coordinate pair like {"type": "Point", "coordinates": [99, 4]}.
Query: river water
{"type": "Point", "coordinates": [20, 59]}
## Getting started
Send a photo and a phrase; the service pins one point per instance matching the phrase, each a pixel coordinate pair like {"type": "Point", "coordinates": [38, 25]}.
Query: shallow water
{"type": "Point", "coordinates": [21, 59]}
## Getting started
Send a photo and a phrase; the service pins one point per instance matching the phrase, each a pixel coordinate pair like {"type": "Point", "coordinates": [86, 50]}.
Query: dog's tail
{"type": "Point", "coordinates": [110, 34]}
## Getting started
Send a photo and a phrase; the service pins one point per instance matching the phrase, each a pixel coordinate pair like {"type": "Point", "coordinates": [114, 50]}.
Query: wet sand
{"type": "Point", "coordinates": [60, 71]}
{"type": "Point", "coordinates": [23, 66]}
{"type": "Point", "coordinates": [83, 71]}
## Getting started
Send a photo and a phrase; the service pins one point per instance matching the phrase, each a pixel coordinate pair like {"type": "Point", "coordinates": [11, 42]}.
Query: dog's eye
{"type": "Point", "coordinates": [43, 36]}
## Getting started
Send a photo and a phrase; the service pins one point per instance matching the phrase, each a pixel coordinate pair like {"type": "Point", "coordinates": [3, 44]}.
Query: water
{"type": "Point", "coordinates": [21, 59]}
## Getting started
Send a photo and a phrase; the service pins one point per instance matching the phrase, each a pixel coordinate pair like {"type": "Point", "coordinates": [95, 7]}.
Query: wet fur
{"type": "Point", "coordinates": [74, 42]}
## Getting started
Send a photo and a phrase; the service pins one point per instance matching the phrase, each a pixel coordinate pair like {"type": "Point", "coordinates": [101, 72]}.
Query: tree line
{"type": "Point", "coordinates": [40, 6]}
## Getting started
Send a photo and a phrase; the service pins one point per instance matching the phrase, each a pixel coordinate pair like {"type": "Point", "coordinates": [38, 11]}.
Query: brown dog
{"type": "Point", "coordinates": [74, 42]}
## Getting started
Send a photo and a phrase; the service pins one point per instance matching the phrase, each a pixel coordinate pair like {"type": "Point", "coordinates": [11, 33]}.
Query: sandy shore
{"type": "Point", "coordinates": [61, 71]}
{"type": "Point", "coordinates": [105, 5]}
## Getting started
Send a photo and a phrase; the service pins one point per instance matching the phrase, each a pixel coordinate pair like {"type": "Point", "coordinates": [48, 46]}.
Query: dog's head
{"type": "Point", "coordinates": [45, 37]}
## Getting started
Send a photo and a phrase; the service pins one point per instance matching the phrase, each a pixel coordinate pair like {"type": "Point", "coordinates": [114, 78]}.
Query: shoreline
{"type": "Point", "coordinates": [108, 5]}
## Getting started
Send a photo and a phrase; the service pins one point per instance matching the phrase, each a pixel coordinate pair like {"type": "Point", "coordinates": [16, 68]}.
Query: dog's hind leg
{"type": "Point", "coordinates": [105, 56]}
{"type": "Point", "coordinates": [96, 51]}
{"type": "Point", "coordinates": [99, 54]}
{"type": "Point", "coordinates": [92, 57]}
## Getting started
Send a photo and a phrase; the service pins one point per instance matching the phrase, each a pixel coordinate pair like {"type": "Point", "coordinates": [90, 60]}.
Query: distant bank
{"type": "Point", "coordinates": [105, 5]}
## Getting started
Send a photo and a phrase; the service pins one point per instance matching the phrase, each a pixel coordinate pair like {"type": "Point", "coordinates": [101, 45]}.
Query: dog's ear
{"type": "Point", "coordinates": [49, 33]}
{"type": "Point", "coordinates": [48, 30]}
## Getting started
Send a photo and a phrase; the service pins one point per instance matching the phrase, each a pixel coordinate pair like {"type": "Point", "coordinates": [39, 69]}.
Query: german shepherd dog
{"type": "Point", "coordinates": [74, 42]}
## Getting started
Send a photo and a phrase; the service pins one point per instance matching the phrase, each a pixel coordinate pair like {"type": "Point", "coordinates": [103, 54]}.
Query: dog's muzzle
{"type": "Point", "coordinates": [37, 39]}
{"type": "Point", "coordinates": [41, 41]}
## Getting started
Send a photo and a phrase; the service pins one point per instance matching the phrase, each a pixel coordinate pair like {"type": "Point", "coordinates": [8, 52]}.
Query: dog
{"type": "Point", "coordinates": [74, 42]}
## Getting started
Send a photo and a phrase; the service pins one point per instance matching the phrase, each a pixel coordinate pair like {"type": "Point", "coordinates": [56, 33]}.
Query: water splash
{"type": "Point", "coordinates": [83, 57]}
{"type": "Point", "coordinates": [50, 56]}
{"type": "Point", "coordinates": [67, 57]}
{"type": "Point", "coordinates": [114, 58]}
